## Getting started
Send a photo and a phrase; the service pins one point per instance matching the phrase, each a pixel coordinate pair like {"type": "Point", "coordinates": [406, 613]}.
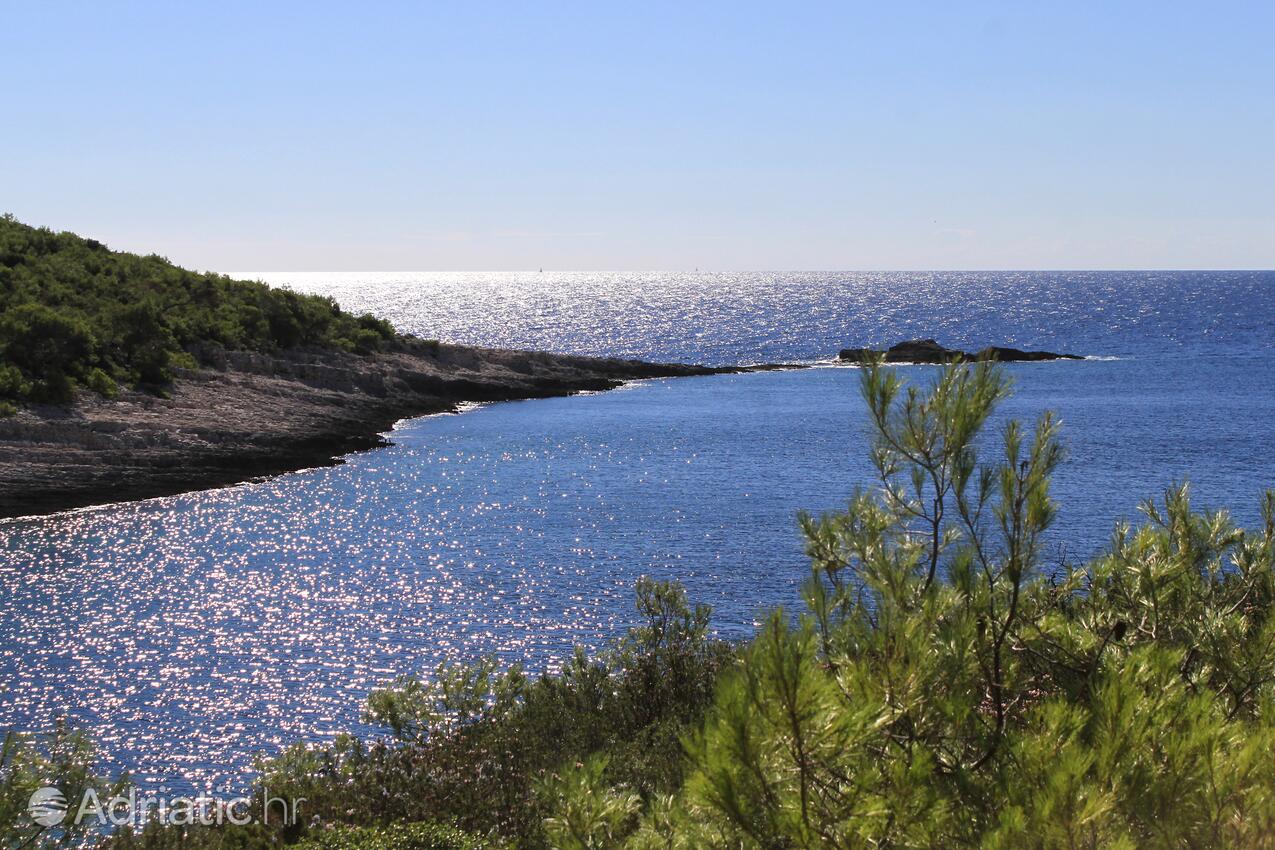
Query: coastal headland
{"type": "Point", "coordinates": [251, 414]}
{"type": "Point", "coordinates": [126, 377]}
{"type": "Point", "coordinates": [246, 415]}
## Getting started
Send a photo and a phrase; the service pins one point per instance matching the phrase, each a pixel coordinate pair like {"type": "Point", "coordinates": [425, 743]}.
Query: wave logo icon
{"type": "Point", "coordinates": [47, 806]}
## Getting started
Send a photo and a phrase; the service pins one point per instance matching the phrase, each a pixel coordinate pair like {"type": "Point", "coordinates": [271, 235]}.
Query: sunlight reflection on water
{"type": "Point", "coordinates": [189, 632]}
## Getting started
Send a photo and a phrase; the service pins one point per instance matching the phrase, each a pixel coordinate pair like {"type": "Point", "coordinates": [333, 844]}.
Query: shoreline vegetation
{"type": "Point", "coordinates": [125, 377]}
{"type": "Point", "coordinates": [941, 686]}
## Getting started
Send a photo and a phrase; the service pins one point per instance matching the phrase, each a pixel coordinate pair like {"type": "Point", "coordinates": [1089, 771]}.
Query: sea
{"type": "Point", "coordinates": [189, 634]}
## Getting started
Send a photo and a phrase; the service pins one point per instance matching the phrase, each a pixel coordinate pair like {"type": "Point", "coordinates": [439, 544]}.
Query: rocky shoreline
{"type": "Point", "coordinates": [252, 415]}
{"type": "Point", "coordinates": [247, 416]}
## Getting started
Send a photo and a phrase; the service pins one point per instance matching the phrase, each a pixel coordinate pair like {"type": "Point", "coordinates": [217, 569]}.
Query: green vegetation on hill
{"type": "Point", "coordinates": [945, 687]}
{"type": "Point", "coordinates": [74, 313]}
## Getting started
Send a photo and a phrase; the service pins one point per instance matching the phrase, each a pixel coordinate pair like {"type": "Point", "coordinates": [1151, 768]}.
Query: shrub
{"type": "Point", "coordinates": [101, 383]}
{"type": "Point", "coordinates": [142, 339]}
{"type": "Point", "coordinates": [590, 815]}
{"type": "Point", "coordinates": [473, 744]}
{"type": "Point", "coordinates": [63, 758]}
{"type": "Point", "coordinates": [12, 382]}
{"type": "Point", "coordinates": [154, 836]}
{"type": "Point", "coordinates": [70, 306]}
{"type": "Point", "coordinates": [365, 340]}
{"type": "Point", "coordinates": [944, 689]}
{"type": "Point", "coordinates": [397, 836]}
{"type": "Point", "coordinates": [48, 347]}
{"type": "Point", "coordinates": [54, 388]}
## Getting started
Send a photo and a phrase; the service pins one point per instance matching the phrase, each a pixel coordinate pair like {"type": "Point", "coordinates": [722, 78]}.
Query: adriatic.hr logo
{"type": "Point", "coordinates": [47, 806]}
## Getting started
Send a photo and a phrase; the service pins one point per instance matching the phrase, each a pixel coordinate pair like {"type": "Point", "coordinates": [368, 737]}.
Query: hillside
{"type": "Point", "coordinates": [75, 313]}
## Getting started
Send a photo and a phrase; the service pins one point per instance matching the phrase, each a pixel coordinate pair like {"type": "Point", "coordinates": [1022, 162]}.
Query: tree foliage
{"type": "Point", "coordinates": [73, 312]}
{"type": "Point", "coordinates": [944, 689]}
{"type": "Point", "coordinates": [492, 749]}
{"type": "Point", "coordinates": [62, 759]}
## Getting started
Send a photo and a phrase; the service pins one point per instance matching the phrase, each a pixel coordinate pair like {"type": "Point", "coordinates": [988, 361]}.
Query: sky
{"type": "Point", "coordinates": [275, 136]}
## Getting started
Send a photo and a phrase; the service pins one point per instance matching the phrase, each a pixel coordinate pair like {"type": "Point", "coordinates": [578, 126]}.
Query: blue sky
{"type": "Point", "coordinates": [383, 136]}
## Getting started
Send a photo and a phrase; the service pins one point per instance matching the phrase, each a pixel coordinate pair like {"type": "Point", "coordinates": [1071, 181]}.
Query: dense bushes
{"type": "Point", "coordinates": [74, 313]}
{"type": "Point", "coordinates": [63, 759]}
{"type": "Point", "coordinates": [474, 746]}
{"type": "Point", "coordinates": [943, 689]}
{"type": "Point", "coordinates": [397, 836]}
{"type": "Point", "coordinates": [394, 836]}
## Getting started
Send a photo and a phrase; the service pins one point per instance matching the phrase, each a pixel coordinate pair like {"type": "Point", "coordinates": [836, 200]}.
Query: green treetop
{"type": "Point", "coordinates": [73, 312]}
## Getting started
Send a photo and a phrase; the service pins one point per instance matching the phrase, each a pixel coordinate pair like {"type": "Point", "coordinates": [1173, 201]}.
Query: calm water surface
{"type": "Point", "coordinates": [190, 632]}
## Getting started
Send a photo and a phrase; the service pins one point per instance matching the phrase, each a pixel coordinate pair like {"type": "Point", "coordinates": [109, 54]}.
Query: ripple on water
{"type": "Point", "coordinates": [189, 632]}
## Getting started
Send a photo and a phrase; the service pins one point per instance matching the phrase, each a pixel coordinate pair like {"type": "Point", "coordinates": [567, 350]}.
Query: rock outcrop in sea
{"type": "Point", "coordinates": [929, 351]}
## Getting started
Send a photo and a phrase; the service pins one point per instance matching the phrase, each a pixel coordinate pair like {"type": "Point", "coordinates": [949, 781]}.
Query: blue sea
{"type": "Point", "coordinates": [189, 633]}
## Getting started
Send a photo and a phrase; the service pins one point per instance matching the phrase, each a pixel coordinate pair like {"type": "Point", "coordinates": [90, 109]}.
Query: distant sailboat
{"type": "Point", "coordinates": [542, 271]}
